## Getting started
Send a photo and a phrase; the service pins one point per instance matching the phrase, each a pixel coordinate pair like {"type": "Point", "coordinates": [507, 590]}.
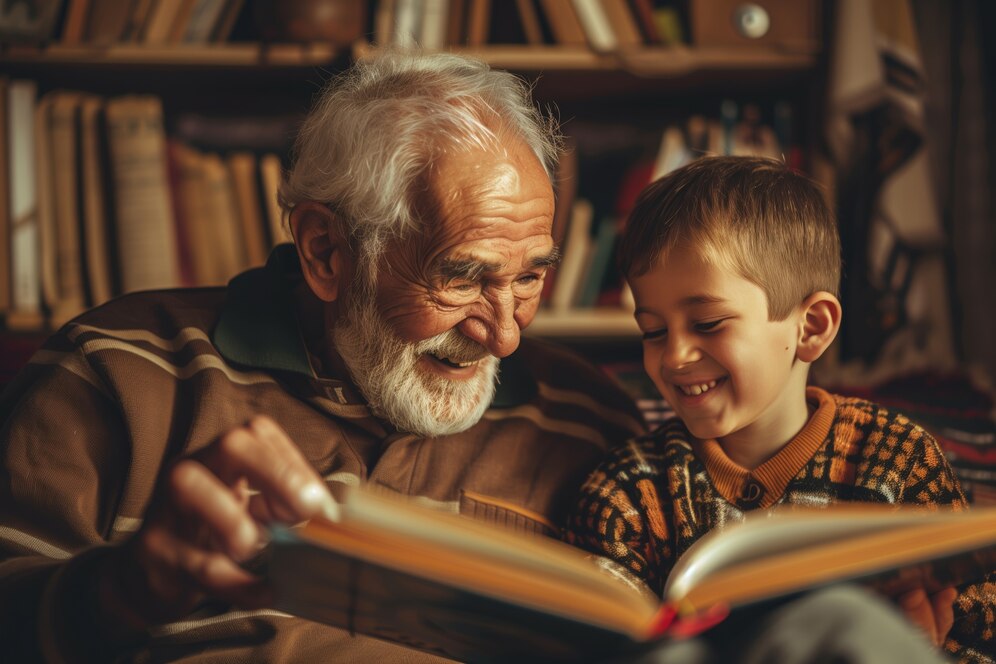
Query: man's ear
{"type": "Point", "coordinates": [326, 260]}
{"type": "Point", "coordinates": [819, 324]}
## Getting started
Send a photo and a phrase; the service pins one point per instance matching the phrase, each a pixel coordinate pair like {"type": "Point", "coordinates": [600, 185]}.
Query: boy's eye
{"type": "Point", "coordinates": [650, 335]}
{"type": "Point", "coordinates": [708, 326]}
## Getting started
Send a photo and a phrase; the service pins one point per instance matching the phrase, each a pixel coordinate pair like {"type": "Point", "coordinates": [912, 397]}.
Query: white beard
{"type": "Point", "coordinates": [387, 372]}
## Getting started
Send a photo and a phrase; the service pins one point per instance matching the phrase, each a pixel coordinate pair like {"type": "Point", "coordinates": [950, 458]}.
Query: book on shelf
{"type": "Point", "coordinates": [398, 570]}
{"type": "Point", "coordinates": [66, 248]}
{"type": "Point", "coordinates": [204, 19]}
{"type": "Point", "coordinates": [200, 231]}
{"type": "Point", "coordinates": [623, 23]}
{"type": "Point", "coordinates": [383, 25]}
{"type": "Point", "coordinates": [531, 26]}
{"type": "Point", "coordinates": [456, 23]}
{"type": "Point", "coordinates": [478, 22]}
{"type": "Point", "coordinates": [432, 31]}
{"type": "Point", "coordinates": [565, 184]}
{"type": "Point", "coordinates": [406, 23]}
{"type": "Point", "coordinates": [226, 23]}
{"type": "Point", "coordinates": [94, 208]}
{"type": "Point", "coordinates": [242, 171]}
{"type": "Point", "coordinates": [144, 220]}
{"type": "Point", "coordinates": [26, 304]}
{"type": "Point", "coordinates": [599, 262]}
{"type": "Point", "coordinates": [643, 13]}
{"type": "Point", "coordinates": [269, 174]}
{"type": "Point", "coordinates": [598, 30]}
{"type": "Point", "coordinates": [576, 252]}
{"type": "Point", "coordinates": [74, 23]}
{"type": "Point", "coordinates": [183, 170]}
{"type": "Point", "coordinates": [106, 21]}
{"type": "Point", "coordinates": [221, 215]}
{"type": "Point", "coordinates": [181, 20]}
{"type": "Point", "coordinates": [138, 17]}
{"type": "Point", "coordinates": [160, 21]}
{"type": "Point", "coordinates": [564, 22]}
{"type": "Point", "coordinates": [5, 285]}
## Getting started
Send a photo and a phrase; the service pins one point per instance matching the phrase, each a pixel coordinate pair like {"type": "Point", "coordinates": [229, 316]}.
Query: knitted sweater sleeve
{"type": "Point", "coordinates": [619, 515]}
{"type": "Point", "coordinates": [931, 480]}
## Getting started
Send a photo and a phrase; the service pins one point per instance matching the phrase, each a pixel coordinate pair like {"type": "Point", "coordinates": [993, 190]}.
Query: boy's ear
{"type": "Point", "coordinates": [326, 260]}
{"type": "Point", "coordinates": [819, 324]}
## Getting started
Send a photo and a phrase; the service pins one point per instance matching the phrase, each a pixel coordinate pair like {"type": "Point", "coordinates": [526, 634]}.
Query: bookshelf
{"type": "Point", "coordinates": [647, 86]}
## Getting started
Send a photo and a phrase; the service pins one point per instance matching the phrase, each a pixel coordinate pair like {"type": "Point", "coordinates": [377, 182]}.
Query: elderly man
{"type": "Point", "coordinates": [149, 441]}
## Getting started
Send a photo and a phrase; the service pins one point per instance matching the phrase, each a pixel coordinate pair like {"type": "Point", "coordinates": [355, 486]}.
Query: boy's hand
{"type": "Point", "coordinates": [934, 614]}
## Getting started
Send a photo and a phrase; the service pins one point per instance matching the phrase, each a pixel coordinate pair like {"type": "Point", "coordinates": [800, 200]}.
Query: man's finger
{"type": "Point", "coordinates": [204, 499]}
{"type": "Point", "coordinates": [262, 453]}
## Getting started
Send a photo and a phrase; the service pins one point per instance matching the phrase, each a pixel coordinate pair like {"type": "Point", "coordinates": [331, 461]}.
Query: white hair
{"type": "Point", "coordinates": [377, 128]}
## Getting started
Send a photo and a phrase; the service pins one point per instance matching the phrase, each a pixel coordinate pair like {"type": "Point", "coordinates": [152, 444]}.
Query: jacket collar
{"type": "Point", "coordinates": [258, 325]}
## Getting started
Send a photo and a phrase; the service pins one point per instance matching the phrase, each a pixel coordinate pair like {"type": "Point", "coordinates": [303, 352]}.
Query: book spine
{"type": "Point", "coordinates": [5, 286]}
{"type": "Point", "coordinates": [596, 26]}
{"type": "Point", "coordinates": [269, 172]}
{"type": "Point", "coordinates": [242, 170]}
{"type": "Point", "coordinates": [144, 213]}
{"type": "Point", "coordinates": [24, 238]}
{"type": "Point", "coordinates": [96, 226]}
{"type": "Point", "coordinates": [576, 255]}
{"type": "Point", "coordinates": [64, 136]}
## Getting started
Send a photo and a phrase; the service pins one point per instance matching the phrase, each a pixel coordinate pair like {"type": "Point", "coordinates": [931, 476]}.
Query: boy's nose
{"type": "Point", "coordinates": [680, 352]}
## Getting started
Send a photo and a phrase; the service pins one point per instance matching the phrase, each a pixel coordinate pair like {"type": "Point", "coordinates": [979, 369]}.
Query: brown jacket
{"type": "Point", "coordinates": [127, 388]}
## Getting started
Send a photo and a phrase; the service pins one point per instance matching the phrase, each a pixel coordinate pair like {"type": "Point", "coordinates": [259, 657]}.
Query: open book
{"type": "Point", "coordinates": [396, 570]}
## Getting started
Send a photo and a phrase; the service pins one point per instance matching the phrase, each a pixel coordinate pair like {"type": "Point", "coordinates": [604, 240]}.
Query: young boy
{"type": "Point", "coordinates": [734, 263]}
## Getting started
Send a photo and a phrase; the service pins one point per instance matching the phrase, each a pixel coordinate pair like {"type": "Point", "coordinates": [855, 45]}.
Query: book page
{"type": "Point", "coordinates": [930, 549]}
{"type": "Point", "coordinates": [763, 534]}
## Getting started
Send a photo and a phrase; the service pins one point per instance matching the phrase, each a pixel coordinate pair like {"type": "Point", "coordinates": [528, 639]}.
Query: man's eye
{"type": "Point", "coordinates": [464, 286]}
{"type": "Point", "coordinates": [528, 279]}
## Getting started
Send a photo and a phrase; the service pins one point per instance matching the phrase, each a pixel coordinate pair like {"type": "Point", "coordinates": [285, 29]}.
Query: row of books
{"type": "Point", "coordinates": [602, 25]}
{"type": "Point", "coordinates": [96, 200]}
{"type": "Point", "coordinates": [587, 228]}
{"type": "Point", "coordinates": [104, 22]}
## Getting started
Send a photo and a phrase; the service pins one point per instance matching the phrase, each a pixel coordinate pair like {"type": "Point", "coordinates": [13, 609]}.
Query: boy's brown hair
{"type": "Point", "coordinates": [770, 224]}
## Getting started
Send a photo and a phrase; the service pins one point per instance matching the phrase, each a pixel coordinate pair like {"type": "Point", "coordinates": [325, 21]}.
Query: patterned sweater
{"type": "Point", "coordinates": [121, 392]}
{"type": "Point", "coordinates": [650, 500]}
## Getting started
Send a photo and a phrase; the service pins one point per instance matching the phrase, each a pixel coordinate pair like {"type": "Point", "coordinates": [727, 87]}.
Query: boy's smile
{"type": "Point", "coordinates": [729, 372]}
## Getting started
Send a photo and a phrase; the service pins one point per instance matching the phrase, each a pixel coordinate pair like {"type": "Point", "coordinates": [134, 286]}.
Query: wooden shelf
{"type": "Point", "coordinates": [214, 55]}
{"type": "Point", "coordinates": [585, 324]}
{"type": "Point", "coordinates": [659, 62]}
{"type": "Point", "coordinates": [676, 61]}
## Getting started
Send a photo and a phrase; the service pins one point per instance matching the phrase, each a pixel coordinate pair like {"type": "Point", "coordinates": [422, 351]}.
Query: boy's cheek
{"type": "Point", "coordinates": [650, 366]}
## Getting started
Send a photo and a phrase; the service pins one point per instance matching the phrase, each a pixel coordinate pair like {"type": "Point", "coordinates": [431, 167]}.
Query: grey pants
{"type": "Point", "coordinates": [840, 625]}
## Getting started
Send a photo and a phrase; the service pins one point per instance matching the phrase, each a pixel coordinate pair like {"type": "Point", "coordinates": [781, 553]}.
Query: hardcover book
{"type": "Point", "coordinates": [393, 569]}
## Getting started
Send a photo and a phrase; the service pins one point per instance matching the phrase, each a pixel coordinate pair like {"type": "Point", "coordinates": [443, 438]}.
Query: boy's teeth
{"type": "Point", "coordinates": [696, 390]}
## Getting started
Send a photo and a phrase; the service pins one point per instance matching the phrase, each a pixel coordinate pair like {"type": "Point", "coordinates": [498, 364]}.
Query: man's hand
{"type": "Point", "coordinates": [205, 519]}
{"type": "Point", "coordinates": [934, 614]}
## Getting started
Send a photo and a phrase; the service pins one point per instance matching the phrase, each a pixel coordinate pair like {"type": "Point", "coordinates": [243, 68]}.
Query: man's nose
{"type": "Point", "coordinates": [495, 328]}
